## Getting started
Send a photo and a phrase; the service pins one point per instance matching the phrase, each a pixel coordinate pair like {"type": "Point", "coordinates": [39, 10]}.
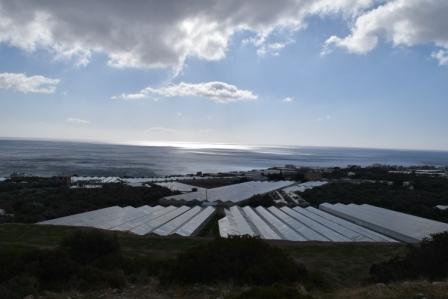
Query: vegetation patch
{"type": "Point", "coordinates": [48, 199]}
{"type": "Point", "coordinates": [419, 200]}
{"type": "Point", "coordinates": [273, 292]}
{"type": "Point", "coordinates": [136, 263]}
{"type": "Point", "coordinates": [264, 200]}
{"type": "Point", "coordinates": [215, 182]}
{"type": "Point", "coordinates": [84, 260]}
{"type": "Point", "coordinates": [238, 260]}
{"type": "Point", "coordinates": [429, 260]}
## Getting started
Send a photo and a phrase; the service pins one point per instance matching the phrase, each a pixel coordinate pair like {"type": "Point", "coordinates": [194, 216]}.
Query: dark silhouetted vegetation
{"type": "Point", "coordinates": [139, 263]}
{"type": "Point", "coordinates": [429, 261]}
{"type": "Point", "coordinates": [240, 260]}
{"type": "Point", "coordinates": [215, 182]}
{"type": "Point", "coordinates": [85, 260]}
{"type": "Point", "coordinates": [76, 264]}
{"type": "Point", "coordinates": [419, 200]}
{"type": "Point", "coordinates": [86, 248]}
{"type": "Point", "coordinates": [272, 292]}
{"type": "Point", "coordinates": [42, 200]}
{"type": "Point", "coordinates": [264, 200]}
{"type": "Point", "coordinates": [90, 259]}
{"type": "Point", "coordinates": [382, 172]}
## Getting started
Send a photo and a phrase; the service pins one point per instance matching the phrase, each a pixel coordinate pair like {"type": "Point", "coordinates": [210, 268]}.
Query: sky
{"type": "Point", "coordinates": [351, 73]}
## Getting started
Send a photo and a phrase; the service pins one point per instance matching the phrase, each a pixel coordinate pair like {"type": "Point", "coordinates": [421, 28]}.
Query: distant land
{"type": "Point", "coordinates": [48, 158]}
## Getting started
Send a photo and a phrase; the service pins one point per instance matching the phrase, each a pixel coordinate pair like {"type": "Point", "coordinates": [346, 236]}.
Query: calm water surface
{"type": "Point", "coordinates": [48, 158]}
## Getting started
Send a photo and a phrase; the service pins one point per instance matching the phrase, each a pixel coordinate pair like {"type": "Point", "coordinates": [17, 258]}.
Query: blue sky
{"type": "Point", "coordinates": [232, 83]}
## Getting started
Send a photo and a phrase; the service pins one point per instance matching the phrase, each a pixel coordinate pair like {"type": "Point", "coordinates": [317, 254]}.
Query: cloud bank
{"type": "Point", "coordinates": [74, 120]}
{"type": "Point", "coordinates": [401, 22]}
{"type": "Point", "coordinates": [153, 33]}
{"type": "Point", "coordinates": [27, 84]}
{"type": "Point", "coordinates": [163, 34]}
{"type": "Point", "coordinates": [219, 92]}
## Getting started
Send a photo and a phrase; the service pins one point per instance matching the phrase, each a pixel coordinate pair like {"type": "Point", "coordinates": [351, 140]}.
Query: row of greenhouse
{"type": "Point", "coordinates": [330, 223]}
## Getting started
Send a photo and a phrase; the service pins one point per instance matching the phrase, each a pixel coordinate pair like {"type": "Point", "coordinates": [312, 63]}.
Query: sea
{"type": "Point", "coordinates": [51, 158]}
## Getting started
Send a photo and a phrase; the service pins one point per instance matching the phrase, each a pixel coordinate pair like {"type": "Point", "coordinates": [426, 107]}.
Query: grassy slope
{"type": "Point", "coordinates": [48, 236]}
{"type": "Point", "coordinates": [342, 263]}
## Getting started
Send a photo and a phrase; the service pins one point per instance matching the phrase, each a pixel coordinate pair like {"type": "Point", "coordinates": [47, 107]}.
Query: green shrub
{"type": "Point", "coordinates": [241, 260]}
{"type": "Point", "coordinates": [429, 260]}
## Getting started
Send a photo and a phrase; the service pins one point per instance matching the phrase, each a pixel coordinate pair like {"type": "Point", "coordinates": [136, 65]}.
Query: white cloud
{"type": "Point", "coordinates": [27, 84]}
{"type": "Point", "coordinates": [74, 120]}
{"type": "Point", "coordinates": [151, 33]}
{"type": "Point", "coordinates": [219, 92]}
{"type": "Point", "coordinates": [401, 22]}
{"type": "Point", "coordinates": [272, 49]}
{"type": "Point", "coordinates": [324, 118]}
{"type": "Point", "coordinates": [288, 99]}
{"type": "Point", "coordinates": [130, 96]}
{"type": "Point", "coordinates": [441, 56]}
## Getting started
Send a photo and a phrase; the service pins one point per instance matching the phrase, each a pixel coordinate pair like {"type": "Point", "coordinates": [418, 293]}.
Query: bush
{"type": "Point", "coordinates": [19, 286]}
{"type": "Point", "coordinates": [272, 292]}
{"type": "Point", "coordinates": [53, 268]}
{"type": "Point", "coordinates": [429, 260]}
{"type": "Point", "coordinates": [241, 260]}
{"type": "Point", "coordinates": [85, 259]}
{"type": "Point", "coordinates": [85, 247]}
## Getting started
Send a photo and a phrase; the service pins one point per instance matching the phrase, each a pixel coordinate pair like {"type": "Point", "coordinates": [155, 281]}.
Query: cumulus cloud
{"type": "Point", "coordinates": [27, 84]}
{"type": "Point", "coordinates": [288, 99]}
{"type": "Point", "coordinates": [152, 33]}
{"type": "Point", "coordinates": [74, 120]}
{"type": "Point", "coordinates": [441, 56]}
{"type": "Point", "coordinates": [401, 22]}
{"type": "Point", "coordinates": [219, 92]}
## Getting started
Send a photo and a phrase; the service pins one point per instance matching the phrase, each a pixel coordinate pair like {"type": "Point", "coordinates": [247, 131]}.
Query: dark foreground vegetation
{"type": "Point", "coordinates": [88, 260]}
{"type": "Point", "coordinates": [48, 198]}
{"type": "Point", "coordinates": [237, 260]}
{"type": "Point", "coordinates": [417, 196]}
{"type": "Point", "coordinates": [429, 261]}
{"type": "Point", "coordinates": [62, 262]}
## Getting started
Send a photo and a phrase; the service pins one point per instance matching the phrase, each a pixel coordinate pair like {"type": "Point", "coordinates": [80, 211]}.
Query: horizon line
{"type": "Point", "coordinates": [207, 145]}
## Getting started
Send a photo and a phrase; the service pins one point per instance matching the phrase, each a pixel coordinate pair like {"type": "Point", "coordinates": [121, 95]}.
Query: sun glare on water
{"type": "Point", "coordinates": [193, 145]}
